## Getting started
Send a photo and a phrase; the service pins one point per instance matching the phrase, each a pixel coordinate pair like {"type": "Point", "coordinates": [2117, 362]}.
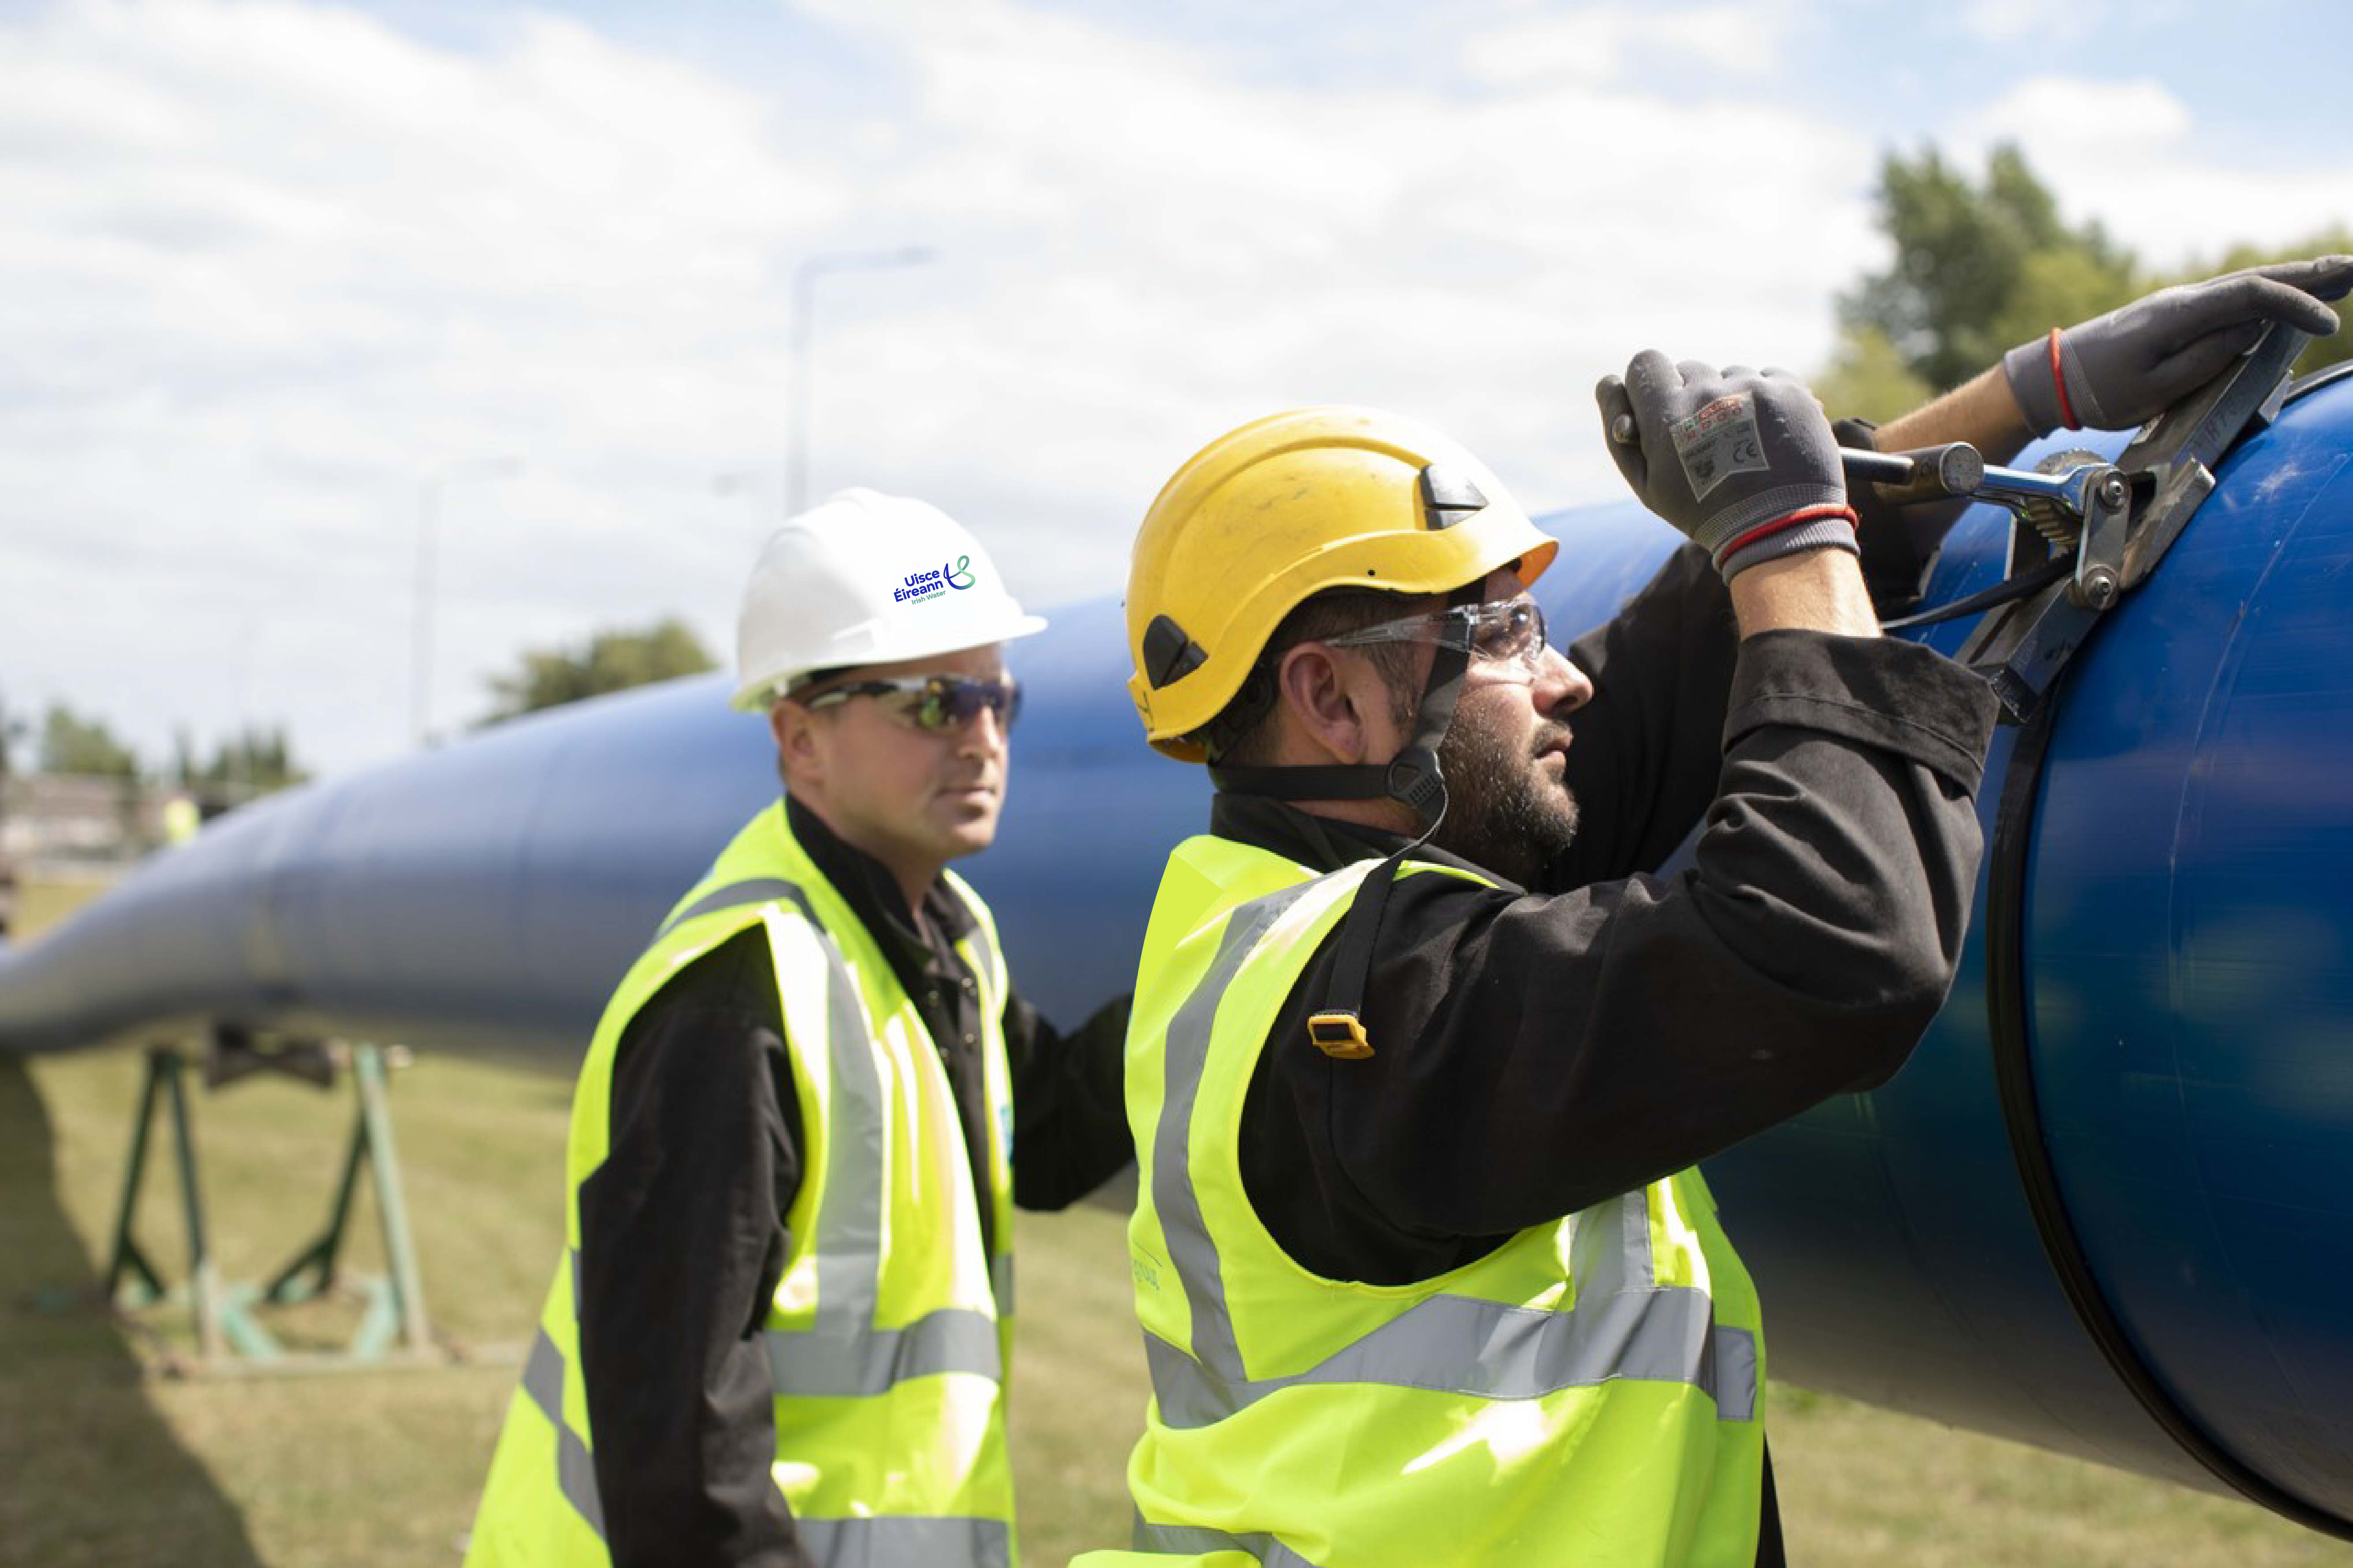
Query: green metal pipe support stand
{"type": "Point", "coordinates": [230, 1336]}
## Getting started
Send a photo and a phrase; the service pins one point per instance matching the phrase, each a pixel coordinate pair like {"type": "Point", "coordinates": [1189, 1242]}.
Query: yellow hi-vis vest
{"type": "Point", "coordinates": [1589, 1393]}
{"type": "Point", "coordinates": [891, 1327]}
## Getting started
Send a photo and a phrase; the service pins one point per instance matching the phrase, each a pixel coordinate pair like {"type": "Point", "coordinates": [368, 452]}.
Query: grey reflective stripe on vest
{"type": "Point", "coordinates": [575, 1473]}
{"type": "Point", "coordinates": [950, 1340]}
{"type": "Point", "coordinates": [1622, 1325]}
{"type": "Point", "coordinates": [1611, 1256]}
{"type": "Point", "coordinates": [1735, 1375]}
{"type": "Point", "coordinates": [1000, 1263]}
{"type": "Point", "coordinates": [1183, 1058]}
{"type": "Point", "coordinates": [734, 895]}
{"type": "Point", "coordinates": [1194, 1540]}
{"type": "Point", "coordinates": [1609, 1251]}
{"type": "Point", "coordinates": [986, 948]}
{"type": "Point", "coordinates": [1459, 1344]}
{"type": "Point", "coordinates": [906, 1542]}
{"type": "Point", "coordinates": [842, 1353]}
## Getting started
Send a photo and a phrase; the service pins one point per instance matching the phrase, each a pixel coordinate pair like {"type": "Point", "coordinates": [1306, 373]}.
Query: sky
{"type": "Point", "coordinates": [292, 295]}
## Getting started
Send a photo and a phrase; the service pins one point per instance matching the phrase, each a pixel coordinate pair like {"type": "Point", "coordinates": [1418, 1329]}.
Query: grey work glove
{"type": "Point", "coordinates": [2126, 367]}
{"type": "Point", "coordinates": [1741, 461]}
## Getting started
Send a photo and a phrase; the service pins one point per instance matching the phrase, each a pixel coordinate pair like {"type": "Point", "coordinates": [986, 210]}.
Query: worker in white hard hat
{"type": "Point", "coordinates": [779, 1333]}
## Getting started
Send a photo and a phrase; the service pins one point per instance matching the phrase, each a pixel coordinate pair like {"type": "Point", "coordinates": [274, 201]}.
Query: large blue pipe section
{"type": "Point", "coordinates": [2104, 1209]}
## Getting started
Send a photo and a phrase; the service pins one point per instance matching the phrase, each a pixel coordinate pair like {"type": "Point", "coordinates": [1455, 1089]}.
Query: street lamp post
{"type": "Point", "coordinates": [804, 342]}
{"type": "Point", "coordinates": [429, 527]}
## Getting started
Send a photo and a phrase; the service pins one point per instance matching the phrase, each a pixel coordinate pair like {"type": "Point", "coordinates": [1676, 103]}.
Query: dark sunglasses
{"type": "Point", "coordinates": [933, 703]}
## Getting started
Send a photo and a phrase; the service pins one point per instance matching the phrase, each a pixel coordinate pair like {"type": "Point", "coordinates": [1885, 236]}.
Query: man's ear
{"type": "Point", "coordinates": [1317, 688]}
{"type": "Point", "coordinates": [800, 756]}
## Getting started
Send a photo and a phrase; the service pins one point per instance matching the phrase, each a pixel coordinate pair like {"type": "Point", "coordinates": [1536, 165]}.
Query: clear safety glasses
{"type": "Point", "coordinates": [931, 703]}
{"type": "Point", "coordinates": [1504, 631]}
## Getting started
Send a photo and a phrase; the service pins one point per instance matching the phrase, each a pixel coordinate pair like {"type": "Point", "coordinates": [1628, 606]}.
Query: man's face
{"type": "Point", "coordinates": [901, 793]}
{"type": "Point", "coordinates": [1508, 808]}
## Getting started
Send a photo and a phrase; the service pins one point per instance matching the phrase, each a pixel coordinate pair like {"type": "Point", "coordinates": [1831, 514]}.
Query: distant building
{"type": "Point", "coordinates": [80, 822]}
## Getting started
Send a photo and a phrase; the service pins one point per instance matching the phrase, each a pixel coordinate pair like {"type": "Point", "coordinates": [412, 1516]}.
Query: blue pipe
{"type": "Point", "coordinates": [2178, 1039]}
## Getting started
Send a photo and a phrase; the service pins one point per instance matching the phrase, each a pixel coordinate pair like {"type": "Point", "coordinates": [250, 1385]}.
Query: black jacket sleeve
{"type": "Point", "coordinates": [682, 1241]}
{"type": "Point", "coordinates": [1070, 1115]}
{"type": "Point", "coordinates": [1535, 1054]}
{"type": "Point", "coordinates": [1648, 747]}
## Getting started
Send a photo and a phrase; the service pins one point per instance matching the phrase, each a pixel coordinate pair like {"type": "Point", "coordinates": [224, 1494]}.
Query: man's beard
{"type": "Point", "coordinates": [1503, 811]}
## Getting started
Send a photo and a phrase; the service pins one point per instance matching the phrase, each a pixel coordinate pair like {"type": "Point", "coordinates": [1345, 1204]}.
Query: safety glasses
{"type": "Point", "coordinates": [931, 703]}
{"type": "Point", "coordinates": [1504, 631]}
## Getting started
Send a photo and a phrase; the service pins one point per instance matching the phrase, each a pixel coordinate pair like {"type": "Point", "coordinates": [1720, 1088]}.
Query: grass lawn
{"type": "Point", "coordinates": [102, 1463]}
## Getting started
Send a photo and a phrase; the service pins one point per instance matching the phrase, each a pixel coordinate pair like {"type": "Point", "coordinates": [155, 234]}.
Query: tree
{"type": "Point", "coordinates": [256, 761]}
{"type": "Point", "coordinates": [13, 729]}
{"type": "Point", "coordinates": [608, 661]}
{"type": "Point", "coordinates": [1866, 378]}
{"type": "Point", "coordinates": [73, 744]}
{"type": "Point", "coordinates": [1979, 269]}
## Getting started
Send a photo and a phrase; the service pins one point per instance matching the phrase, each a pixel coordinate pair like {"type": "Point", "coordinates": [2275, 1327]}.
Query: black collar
{"type": "Point", "coordinates": [1318, 843]}
{"type": "Point", "coordinates": [874, 895]}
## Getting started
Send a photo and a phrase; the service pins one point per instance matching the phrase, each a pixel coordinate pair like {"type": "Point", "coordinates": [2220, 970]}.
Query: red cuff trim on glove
{"type": "Point", "coordinates": [2059, 382]}
{"type": "Point", "coordinates": [1768, 530]}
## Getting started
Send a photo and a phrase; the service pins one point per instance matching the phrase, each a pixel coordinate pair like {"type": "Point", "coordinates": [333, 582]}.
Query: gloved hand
{"type": "Point", "coordinates": [1742, 461]}
{"type": "Point", "coordinates": [2126, 367]}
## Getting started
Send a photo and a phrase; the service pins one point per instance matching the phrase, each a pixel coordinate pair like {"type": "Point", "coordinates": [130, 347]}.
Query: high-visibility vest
{"type": "Point", "coordinates": [890, 1330]}
{"type": "Point", "coordinates": [1588, 1393]}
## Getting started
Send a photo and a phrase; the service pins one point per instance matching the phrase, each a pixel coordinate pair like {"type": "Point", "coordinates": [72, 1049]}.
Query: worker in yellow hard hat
{"type": "Point", "coordinates": [1423, 1056]}
{"type": "Point", "coordinates": [779, 1330]}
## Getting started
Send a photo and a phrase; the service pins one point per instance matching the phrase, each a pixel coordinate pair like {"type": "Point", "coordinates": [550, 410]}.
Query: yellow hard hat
{"type": "Point", "coordinates": [1270, 514]}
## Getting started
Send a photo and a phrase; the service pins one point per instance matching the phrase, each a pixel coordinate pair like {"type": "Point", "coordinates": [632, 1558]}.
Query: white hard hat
{"type": "Point", "coordinates": [866, 578]}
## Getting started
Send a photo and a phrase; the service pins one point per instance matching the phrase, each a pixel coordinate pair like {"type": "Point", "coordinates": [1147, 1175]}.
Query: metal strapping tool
{"type": "Point", "coordinates": [2084, 531]}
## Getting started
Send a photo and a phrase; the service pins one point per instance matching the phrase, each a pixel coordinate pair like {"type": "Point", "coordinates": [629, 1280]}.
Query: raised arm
{"type": "Point", "coordinates": [2118, 370]}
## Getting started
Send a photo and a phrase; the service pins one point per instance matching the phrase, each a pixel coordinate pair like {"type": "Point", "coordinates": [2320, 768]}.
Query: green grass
{"type": "Point", "coordinates": [103, 1463]}
{"type": "Point", "coordinates": [1861, 1486]}
{"type": "Point", "coordinates": [355, 1468]}
{"type": "Point", "coordinates": [43, 901]}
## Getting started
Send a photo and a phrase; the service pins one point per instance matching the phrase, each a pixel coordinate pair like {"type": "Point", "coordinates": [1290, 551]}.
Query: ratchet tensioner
{"type": "Point", "coordinates": [2084, 531]}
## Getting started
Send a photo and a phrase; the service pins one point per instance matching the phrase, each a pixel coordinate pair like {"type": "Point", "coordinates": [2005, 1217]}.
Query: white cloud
{"type": "Point", "coordinates": [2129, 153]}
{"type": "Point", "coordinates": [269, 266]}
{"type": "Point", "coordinates": [1219, 248]}
{"type": "Point", "coordinates": [1590, 48]}
{"type": "Point", "coordinates": [2016, 21]}
{"type": "Point", "coordinates": [2086, 119]}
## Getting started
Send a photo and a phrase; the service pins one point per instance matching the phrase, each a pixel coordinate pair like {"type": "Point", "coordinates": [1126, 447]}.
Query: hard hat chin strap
{"type": "Point", "coordinates": [1411, 778]}
{"type": "Point", "coordinates": [1414, 779]}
